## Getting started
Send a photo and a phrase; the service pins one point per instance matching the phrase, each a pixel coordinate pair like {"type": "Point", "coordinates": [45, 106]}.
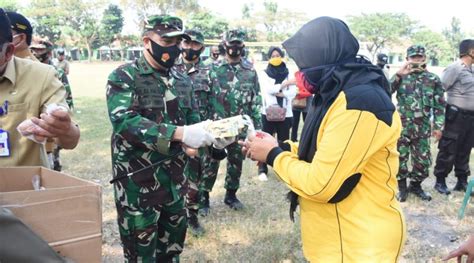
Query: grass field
{"type": "Point", "coordinates": [263, 231]}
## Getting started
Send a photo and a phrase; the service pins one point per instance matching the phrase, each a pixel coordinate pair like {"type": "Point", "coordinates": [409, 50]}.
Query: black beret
{"type": "Point", "coordinates": [5, 28]}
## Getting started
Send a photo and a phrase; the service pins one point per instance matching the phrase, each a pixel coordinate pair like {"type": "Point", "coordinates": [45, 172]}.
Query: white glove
{"type": "Point", "coordinates": [221, 143]}
{"type": "Point", "coordinates": [196, 136]}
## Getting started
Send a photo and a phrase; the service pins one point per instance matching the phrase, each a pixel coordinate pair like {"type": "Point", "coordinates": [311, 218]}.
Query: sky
{"type": "Point", "coordinates": [436, 15]}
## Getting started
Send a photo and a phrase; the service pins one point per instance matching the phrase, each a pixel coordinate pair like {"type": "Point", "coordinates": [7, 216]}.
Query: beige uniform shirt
{"type": "Point", "coordinates": [28, 87]}
{"type": "Point", "coordinates": [26, 54]}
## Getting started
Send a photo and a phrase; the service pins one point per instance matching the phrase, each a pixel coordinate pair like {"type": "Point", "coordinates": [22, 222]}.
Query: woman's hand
{"type": "Point", "coordinates": [258, 146]}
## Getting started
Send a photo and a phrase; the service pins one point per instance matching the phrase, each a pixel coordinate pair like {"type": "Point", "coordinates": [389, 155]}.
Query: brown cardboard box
{"type": "Point", "coordinates": [67, 214]}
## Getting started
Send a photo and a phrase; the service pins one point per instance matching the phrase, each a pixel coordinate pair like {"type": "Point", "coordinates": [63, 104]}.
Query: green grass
{"type": "Point", "coordinates": [263, 231]}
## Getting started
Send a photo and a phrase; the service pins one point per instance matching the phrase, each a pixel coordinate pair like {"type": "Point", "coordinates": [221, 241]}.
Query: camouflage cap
{"type": "Point", "coordinates": [42, 46]}
{"type": "Point", "coordinates": [416, 50]}
{"type": "Point", "coordinates": [165, 26]}
{"type": "Point", "coordinates": [195, 35]}
{"type": "Point", "coordinates": [234, 35]}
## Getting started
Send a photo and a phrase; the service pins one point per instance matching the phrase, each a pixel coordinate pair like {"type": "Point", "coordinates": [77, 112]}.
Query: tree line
{"type": "Point", "coordinates": [91, 24]}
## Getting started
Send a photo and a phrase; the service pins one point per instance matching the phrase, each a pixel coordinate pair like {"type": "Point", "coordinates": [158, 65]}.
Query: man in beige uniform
{"type": "Point", "coordinates": [22, 34]}
{"type": "Point", "coordinates": [26, 88]}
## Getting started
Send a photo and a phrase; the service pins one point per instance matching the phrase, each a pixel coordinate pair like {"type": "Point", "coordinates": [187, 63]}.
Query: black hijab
{"type": "Point", "coordinates": [278, 73]}
{"type": "Point", "coordinates": [328, 43]}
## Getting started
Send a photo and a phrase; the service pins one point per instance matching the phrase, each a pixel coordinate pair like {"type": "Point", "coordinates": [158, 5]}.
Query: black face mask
{"type": "Point", "coordinates": [234, 51]}
{"type": "Point", "coordinates": [43, 57]}
{"type": "Point", "coordinates": [164, 56]}
{"type": "Point", "coordinates": [215, 55]}
{"type": "Point", "coordinates": [191, 54]}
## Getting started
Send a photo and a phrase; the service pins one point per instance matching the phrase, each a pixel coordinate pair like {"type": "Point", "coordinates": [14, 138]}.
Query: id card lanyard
{"type": "Point", "coordinates": [4, 136]}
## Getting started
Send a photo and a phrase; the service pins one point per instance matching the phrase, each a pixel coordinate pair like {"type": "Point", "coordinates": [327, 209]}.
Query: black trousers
{"type": "Point", "coordinates": [281, 128]}
{"type": "Point", "coordinates": [296, 123]}
{"type": "Point", "coordinates": [455, 144]}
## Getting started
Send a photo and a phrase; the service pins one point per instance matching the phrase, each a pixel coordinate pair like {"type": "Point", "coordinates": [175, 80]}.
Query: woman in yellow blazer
{"type": "Point", "coordinates": [344, 171]}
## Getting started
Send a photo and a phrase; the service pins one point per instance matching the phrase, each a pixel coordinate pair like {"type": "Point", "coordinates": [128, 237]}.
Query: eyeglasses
{"type": "Point", "coordinates": [4, 108]}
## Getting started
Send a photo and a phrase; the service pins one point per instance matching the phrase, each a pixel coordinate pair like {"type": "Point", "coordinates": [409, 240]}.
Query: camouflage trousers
{"type": "Point", "coordinates": [201, 174]}
{"type": "Point", "coordinates": [418, 149]}
{"type": "Point", "coordinates": [235, 159]}
{"type": "Point", "coordinates": [151, 234]}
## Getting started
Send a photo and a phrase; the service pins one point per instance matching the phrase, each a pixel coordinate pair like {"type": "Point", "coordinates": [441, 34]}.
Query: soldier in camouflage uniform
{"type": "Point", "coordinates": [42, 50]}
{"type": "Point", "coordinates": [235, 91]}
{"type": "Point", "coordinates": [191, 64]}
{"type": "Point", "coordinates": [148, 104]}
{"type": "Point", "coordinates": [420, 98]}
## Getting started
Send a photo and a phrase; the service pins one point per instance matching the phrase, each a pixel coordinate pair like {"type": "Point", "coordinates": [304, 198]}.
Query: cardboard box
{"type": "Point", "coordinates": [67, 214]}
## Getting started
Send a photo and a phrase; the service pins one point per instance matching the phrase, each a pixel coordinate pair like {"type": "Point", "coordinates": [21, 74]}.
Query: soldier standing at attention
{"type": "Point", "coordinates": [420, 97]}
{"type": "Point", "coordinates": [22, 35]}
{"type": "Point", "coordinates": [458, 134]}
{"type": "Point", "coordinates": [62, 61]}
{"type": "Point", "coordinates": [236, 91]}
{"type": "Point", "coordinates": [191, 64]}
{"type": "Point", "coordinates": [149, 107]}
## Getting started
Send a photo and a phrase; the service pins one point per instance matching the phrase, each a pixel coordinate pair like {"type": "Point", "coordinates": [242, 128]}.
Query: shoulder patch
{"type": "Point", "coordinates": [369, 98]}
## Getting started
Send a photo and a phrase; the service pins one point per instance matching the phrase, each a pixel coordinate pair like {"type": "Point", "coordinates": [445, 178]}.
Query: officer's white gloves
{"type": "Point", "coordinates": [196, 136]}
{"type": "Point", "coordinates": [221, 143]}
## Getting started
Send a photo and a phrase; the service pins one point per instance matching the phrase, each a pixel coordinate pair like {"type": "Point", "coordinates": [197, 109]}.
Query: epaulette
{"type": "Point", "coordinates": [246, 64]}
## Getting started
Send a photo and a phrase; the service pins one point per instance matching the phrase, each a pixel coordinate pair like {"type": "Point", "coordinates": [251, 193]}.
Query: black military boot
{"type": "Point", "coordinates": [402, 190]}
{"type": "Point", "coordinates": [205, 205]}
{"type": "Point", "coordinates": [461, 184]}
{"type": "Point", "coordinates": [415, 188]}
{"type": "Point", "coordinates": [193, 224]}
{"type": "Point", "coordinates": [232, 201]}
{"type": "Point", "coordinates": [441, 186]}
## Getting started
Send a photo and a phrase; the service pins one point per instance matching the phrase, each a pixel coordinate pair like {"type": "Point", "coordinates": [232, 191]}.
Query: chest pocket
{"type": "Point", "coordinates": [201, 89]}
{"type": "Point", "coordinates": [149, 94]}
{"type": "Point", "coordinates": [184, 93]}
{"type": "Point", "coordinates": [467, 82]}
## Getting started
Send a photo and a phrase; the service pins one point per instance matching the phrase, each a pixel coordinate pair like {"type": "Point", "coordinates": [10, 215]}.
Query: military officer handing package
{"type": "Point", "coordinates": [151, 108]}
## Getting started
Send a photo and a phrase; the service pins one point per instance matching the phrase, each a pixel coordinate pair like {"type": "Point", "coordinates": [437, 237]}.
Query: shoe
{"type": "Point", "coordinates": [402, 190]}
{"type": "Point", "coordinates": [193, 224]}
{"type": "Point", "coordinates": [263, 177]}
{"type": "Point", "coordinates": [461, 185]}
{"type": "Point", "coordinates": [205, 206]}
{"type": "Point", "coordinates": [415, 188]}
{"type": "Point", "coordinates": [232, 201]}
{"type": "Point", "coordinates": [441, 186]}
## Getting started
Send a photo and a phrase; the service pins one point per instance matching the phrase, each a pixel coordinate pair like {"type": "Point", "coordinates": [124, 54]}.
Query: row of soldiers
{"type": "Point", "coordinates": [40, 51]}
{"type": "Point", "coordinates": [164, 162]}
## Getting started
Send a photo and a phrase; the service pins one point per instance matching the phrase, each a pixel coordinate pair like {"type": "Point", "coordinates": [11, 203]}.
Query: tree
{"type": "Point", "coordinates": [9, 5]}
{"type": "Point", "coordinates": [246, 10]}
{"type": "Point", "coordinates": [144, 8]}
{"type": "Point", "coordinates": [437, 48]}
{"type": "Point", "coordinates": [454, 36]}
{"type": "Point", "coordinates": [82, 21]}
{"type": "Point", "coordinates": [47, 18]}
{"type": "Point", "coordinates": [111, 24]}
{"type": "Point", "coordinates": [209, 24]}
{"type": "Point", "coordinates": [380, 29]}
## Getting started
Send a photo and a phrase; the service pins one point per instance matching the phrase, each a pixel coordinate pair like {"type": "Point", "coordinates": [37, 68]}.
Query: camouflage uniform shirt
{"type": "Point", "coordinates": [236, 91]}
{"type": "Point", "coordinates": [420, 95]}
{"type": "Point", "coordinates": [145, 106]}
